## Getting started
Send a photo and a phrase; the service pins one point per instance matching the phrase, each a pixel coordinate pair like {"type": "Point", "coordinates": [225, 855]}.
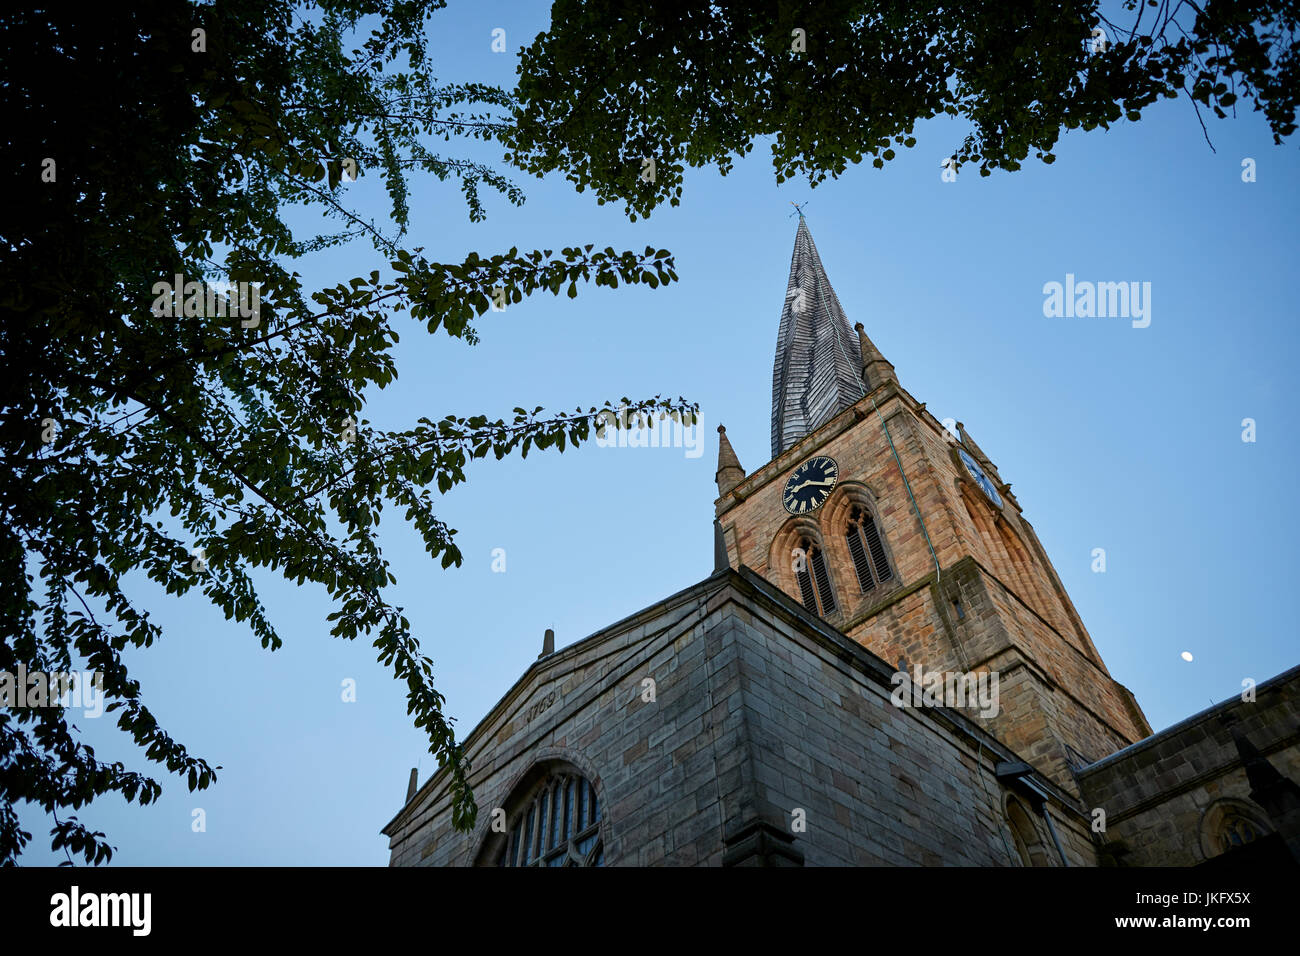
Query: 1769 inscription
{"type": "Point", "coordinates": [540, 707]}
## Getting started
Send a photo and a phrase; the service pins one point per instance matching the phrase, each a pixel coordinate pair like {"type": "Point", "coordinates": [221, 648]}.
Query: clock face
{"type": "Point", "coordinates": [810, 485]}
{"type": "Point", "coordinates": [977, 473]}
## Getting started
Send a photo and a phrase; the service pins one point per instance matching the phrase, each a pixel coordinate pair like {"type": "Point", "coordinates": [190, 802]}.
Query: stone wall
{"type": "Point", "coordinates": [876, 784]}
{"type": "Point", "coordinates": [1163, 796]}
{"type": "Point", "coordinates": [772, 739]}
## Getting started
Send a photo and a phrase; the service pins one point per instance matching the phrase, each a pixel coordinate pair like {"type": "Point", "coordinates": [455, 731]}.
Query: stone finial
{"type": "Point", "coordinates": [720, 559]}
{"type": "Point", "coordinates": [729, 473]}
{"type": "Point", "coordinates": [548, 644]}
{"type": "Point", "coordinates": [876, 369]}
{"type": "Point", "coordinates": [412, 784]}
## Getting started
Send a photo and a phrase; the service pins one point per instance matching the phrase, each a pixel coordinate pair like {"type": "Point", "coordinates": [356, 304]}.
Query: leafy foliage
{"type": "Point", "coordinates": [241, 434]}
{"type": "Point", "coordinates": [695, 83]}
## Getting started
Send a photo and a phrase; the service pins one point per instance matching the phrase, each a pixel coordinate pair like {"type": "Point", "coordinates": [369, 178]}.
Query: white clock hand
{"type": "Point", "coordinates": [797, 488]}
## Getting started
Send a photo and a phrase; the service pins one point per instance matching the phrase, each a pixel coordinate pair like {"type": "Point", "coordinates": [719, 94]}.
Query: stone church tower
{"type": "Point", "coordinates": [883, 669]}
{"type": "Point", "coordinates": [904, 536]}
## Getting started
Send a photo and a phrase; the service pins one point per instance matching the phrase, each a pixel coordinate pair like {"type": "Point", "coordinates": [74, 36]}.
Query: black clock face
{"type": "Point", "coordinates": [810, 485]}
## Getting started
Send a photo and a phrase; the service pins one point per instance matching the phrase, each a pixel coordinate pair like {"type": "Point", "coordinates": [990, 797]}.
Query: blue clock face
{"type": "Point", "coordinates": [810, 485]}
{"type": "Point", "coordinates": [977, 473]}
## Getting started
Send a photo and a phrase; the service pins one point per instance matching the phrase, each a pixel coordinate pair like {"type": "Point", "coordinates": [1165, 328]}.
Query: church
{"type": "Point", "coordinates": [883, 669]}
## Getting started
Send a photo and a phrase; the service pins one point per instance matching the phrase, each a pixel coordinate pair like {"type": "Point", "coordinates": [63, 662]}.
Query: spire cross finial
{"type": "Point", "coordinates": [798, 208]}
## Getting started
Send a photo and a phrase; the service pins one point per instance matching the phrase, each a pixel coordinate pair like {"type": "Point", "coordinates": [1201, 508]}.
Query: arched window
{"type": "Point", "coordinates": [814, 579]}
{"type": "Point", "coordinates": [1237, 831]}
{"type": "Point", "coordinates": [1028, 840]}
{"type": "Point", "coordinates": [1228, 825]}
{"type": "Point", "coordinates": [558, 826]}
{"type": "Point", "coordinates": [867, 550]}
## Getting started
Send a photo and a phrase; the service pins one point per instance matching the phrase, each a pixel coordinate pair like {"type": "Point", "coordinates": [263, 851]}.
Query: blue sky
{"type": "Point", "coordinates": [1113, 437]}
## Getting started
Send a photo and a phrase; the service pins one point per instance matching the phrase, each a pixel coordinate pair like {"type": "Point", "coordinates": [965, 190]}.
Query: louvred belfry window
{"type": "Point", "coordinates": [867, 550]}
{"type": "Point", "coordinates": [560, 826]}
{"type": "Point", "coordinates": [814, 580]}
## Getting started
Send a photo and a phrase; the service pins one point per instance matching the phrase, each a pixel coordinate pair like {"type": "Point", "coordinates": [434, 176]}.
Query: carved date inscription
{"type": "Point", "coordinates": [539, 708]}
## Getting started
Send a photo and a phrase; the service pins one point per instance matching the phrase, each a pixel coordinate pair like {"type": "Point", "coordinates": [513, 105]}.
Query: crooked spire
{"type": "Point", "coordinates": [819, 359]}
